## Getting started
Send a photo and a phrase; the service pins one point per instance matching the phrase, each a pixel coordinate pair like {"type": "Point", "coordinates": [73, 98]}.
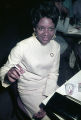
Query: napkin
{"type": "Point", "coordinates": [71, 29]}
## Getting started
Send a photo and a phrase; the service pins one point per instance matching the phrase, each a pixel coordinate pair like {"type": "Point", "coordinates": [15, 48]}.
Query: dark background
{"type": "Point", "coordinates": [15, 24]}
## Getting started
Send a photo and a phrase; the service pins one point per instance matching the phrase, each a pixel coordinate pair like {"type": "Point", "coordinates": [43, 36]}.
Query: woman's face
{"type": "Point", "coordinates": [58, 5]}
{"type": "Point", "coordinates": [45, 30]}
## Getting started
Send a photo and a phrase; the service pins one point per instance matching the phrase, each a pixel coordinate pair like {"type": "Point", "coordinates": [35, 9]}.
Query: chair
{"type": "Point", "coordinates": [77, 51]}
{"type": "Point", "coordinates": [18, 105]}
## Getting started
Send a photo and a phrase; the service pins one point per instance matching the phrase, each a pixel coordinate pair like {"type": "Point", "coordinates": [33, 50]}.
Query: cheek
{"type": "Point", "coordinates": [39, 34]}
{"type": "Point", "coordinates": [51, 34]}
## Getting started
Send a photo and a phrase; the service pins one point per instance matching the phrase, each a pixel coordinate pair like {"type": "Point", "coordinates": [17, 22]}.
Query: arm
{"type": "Point", "coordinates": [51, 84]}
{"type": "Point", "coordinates": [14, 57]}
{"type": "Point", "coordinates": [66, 24]}
{"type": "Point", "coordinates": [75, 8]}
{"type": "Point", "coordinates": [62, 25]}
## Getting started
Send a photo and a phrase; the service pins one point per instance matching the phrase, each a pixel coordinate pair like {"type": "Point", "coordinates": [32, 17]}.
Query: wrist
{"type": "Point", "coordinates": [6, 80]}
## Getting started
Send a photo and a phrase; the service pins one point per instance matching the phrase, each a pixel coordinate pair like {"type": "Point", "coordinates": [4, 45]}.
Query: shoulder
{"type": "Point", "coordinates": [56, 45]}
{"type": "Point", "coordinates": [26, 41]}
{"type": "Point", "coordinates": [22, 45]}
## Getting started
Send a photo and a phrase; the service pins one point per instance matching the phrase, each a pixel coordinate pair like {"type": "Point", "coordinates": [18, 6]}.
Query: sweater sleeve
{"type": "Point", "coordinates": [51, 84]}
{"type": "Point", "coordinates": [14, 57]}
{"type": "Point", "coordinates": [63, 25]}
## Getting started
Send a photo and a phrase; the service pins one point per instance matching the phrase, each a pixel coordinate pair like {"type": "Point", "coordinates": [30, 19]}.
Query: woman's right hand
{"type": "Point", "coordinates": [13, 74]}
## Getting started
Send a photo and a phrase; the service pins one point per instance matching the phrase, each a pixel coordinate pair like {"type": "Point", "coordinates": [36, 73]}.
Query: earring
{"type": "Point", "coordinates": [54, 36]}
{"type": "Point", "coordinates": [34, 34]}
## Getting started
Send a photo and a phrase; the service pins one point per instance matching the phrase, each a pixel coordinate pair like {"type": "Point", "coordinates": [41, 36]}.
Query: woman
{"type": "Point", "coordinates": [63, 22]}
{"type": "Point", "coordinates": [34, 62]}
{"type": "Point", "coordinates": [63, 25]}
{"type": "Point", "coordinates": [77, 11]}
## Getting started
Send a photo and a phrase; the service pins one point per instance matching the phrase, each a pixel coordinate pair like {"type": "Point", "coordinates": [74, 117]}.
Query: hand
{"type": "Point", "coordinates": [14, 73]}
{"type": "Point", "coordinates": [40, 114]}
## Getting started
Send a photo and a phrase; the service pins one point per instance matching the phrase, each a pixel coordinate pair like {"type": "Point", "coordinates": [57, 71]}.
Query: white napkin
{"type": "Point", "coordinates": [71, 29]}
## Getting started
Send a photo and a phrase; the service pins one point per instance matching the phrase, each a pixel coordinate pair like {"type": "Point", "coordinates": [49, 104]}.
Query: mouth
{"type": "Point", "coordinates": [45, 38]}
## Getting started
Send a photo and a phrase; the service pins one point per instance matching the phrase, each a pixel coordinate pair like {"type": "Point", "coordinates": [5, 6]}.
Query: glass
{"type": "Point", "coordinates": [77, 22]}
{"type": "Point", "coordinates": [69, 88]}
{"type": "Point", "coordinates": [79, 87]}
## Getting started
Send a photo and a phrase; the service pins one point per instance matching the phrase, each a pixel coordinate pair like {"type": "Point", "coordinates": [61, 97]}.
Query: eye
{"type": "Point", "coordinates": [41, 28]}
{"type": "Point", "coordinates": [51, 29]}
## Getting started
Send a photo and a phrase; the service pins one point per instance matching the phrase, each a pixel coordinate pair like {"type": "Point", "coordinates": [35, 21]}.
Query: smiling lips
{"type": "Point", "coordinates": [45, 38]}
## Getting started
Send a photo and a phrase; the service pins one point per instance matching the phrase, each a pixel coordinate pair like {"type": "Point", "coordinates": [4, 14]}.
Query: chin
{"type": "Point", "coordinates": [44, 43]}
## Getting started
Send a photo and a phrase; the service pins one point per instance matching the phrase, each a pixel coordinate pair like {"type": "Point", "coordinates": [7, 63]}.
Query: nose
{"type": "Point", "coordinates": [46, 32]}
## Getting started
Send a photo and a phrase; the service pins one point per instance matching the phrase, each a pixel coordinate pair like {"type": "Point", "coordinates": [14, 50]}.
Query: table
{"type": "Point", "coordinates": [76, 95]}
{"type": "Point", "coordinates": [75, 37]}
{"type": "Point", "coordinates": [76, 81]}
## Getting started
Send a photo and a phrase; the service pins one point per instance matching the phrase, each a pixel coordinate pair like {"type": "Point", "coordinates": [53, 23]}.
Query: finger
{"type": "Point", "coordinates": [11, 79]}
{"type": "Point", "coordinates": [21, 69]}
{"type": "Point", "coordinates": [13, 73]}
{"type": "Point", "coordinates": [40, 114]}
{"type": "Point", "coordinates": [17, 71]}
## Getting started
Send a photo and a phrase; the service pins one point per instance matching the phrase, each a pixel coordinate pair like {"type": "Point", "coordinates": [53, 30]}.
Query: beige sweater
{"type": "Point", "coordinates": [41, 64]}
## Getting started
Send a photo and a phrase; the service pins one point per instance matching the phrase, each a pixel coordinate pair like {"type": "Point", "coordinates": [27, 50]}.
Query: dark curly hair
{"type": "Point", "coordinates": [44, 9]}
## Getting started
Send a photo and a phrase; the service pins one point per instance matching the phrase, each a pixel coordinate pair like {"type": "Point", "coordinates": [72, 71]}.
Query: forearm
{"type": "Point", "coordinates": [62, 25]}
{"type": "Point", "coordinates": [51, 85]}
{"type": "Point", "coordinates": [13, 59]}
{"type": "Point", "coordinates": [66, 24]}
{"type": "Point", "coordinates": [3, 78]}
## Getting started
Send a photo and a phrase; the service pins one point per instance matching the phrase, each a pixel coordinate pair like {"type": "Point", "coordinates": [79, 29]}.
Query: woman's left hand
{"type": "Point", "coordinates": [40, 114]}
